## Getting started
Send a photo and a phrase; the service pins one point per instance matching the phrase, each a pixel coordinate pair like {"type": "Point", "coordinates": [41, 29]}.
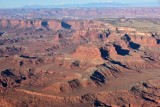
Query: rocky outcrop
{"type": "Point", "coordinates": [10, 41]}
{"type": "Point", "coordinates": [53, 24]}
{"type": "Point", "coordinates": [9, 79]}
{"type": "Point", "coordinates": [143, 40]}
{"type": "Point", "coordinates": [88, 54]}
{"type": "Point", "coordinates": [98, 78]}
{"type": "Point", "coordinates": [144, 94]}
{"type": "Point", "coordinates": [148, 91]}
{"type": "Point", "coordinates": [15, 23]}
{"type": "Point", "coordinates": [50, 24]}
{"type": "Point", "coordinates": [9, 51]}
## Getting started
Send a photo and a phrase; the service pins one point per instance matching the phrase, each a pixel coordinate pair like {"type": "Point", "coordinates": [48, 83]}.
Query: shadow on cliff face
{"type": "Point", "coordinates": [7, 73]}
{"type": "Point", "coordinates": [75, 83]}
{"type": "Point", "coordinates": [111, 68]}
{"type": "Point", "coordinates": [100, 36]}
{"type": "Point", "coordinates": [121, 51]}
{"type": "Point", "coordinates": [27, 57]}
{"type": "Point", "coordinates": [106, 35]}
{"type": "Point", "coordinates": [1, 33]}
{"type": "Point", "coordinates": [158, 41]}
{"type": "Point", "coordinates": [119, 63]}
{"type": "Point", "coordinates": [65, 25]}
{"type": "Point", "coordinates": [134, 45]}
{"type": "Point", "coordinates": [126, 38]}
{"type": "Point", "coordinates": [44, 24]}
{"type": "Point", "coordinates": [9, 79]}
{"type": "Point", "coordinates": [104, 53]}
{"type": "Point", "coordinates": [97, 77]}
{"type": "Point", "coordinates": [75, 64]}
{"type": "Point", "coordinates": [4, 84]}
{"type": "Point", "coordinates": [156, 36]}
{"type": "Point", "coordinates": [99, 104]}
{"type": "Point", "coordinates": [31, 22]}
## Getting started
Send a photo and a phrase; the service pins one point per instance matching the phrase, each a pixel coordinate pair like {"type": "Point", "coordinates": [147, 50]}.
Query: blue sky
{"type": "Point", "coordinates": [21, 3]}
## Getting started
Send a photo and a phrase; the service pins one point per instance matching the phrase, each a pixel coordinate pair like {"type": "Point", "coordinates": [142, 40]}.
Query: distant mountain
{"type": "Point", "coordinates": [98, 5]}
{"type": "Point", "coordinates": [146, 4]}
{"type": "Point", "coordinates": [89, 5]}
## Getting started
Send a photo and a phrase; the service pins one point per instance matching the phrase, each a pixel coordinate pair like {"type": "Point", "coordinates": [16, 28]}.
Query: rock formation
{"type": "Point", "coordinates": [88, 54]}
{"type": "Point", "coordinates": [54, 62]}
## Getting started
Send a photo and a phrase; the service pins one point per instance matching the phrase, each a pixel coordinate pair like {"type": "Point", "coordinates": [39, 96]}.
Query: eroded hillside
{"type": "Point", "coordinates": [77, 63]}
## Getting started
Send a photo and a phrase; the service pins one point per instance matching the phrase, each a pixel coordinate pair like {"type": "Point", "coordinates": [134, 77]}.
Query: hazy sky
{"type": "Point", "coordinates": [21, 3]}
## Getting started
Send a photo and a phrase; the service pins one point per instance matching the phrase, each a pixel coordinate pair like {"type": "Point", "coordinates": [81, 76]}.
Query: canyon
{"type": "Point", "coordinates": [78, 62]}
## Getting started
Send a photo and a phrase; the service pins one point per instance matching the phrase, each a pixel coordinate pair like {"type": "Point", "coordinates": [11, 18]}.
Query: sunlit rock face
{"type": "Point", "coordinates": [88, 54]}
